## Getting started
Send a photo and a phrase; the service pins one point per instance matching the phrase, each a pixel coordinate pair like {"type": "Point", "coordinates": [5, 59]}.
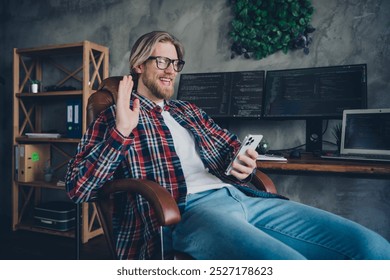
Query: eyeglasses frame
{"type": "Point", "coordinates": [170, 61]}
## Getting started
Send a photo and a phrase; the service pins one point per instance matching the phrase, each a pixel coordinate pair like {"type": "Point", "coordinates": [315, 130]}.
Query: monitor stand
{"type": "Point", "coordinates": [314, 135]}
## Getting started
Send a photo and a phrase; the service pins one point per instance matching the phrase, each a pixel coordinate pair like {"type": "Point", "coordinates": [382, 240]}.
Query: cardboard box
{"type": "Point", "coordinates": [32, 159]}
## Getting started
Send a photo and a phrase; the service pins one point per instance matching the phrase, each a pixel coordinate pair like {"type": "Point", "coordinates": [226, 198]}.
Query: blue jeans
{"type": "Point", "coordinates": [227, 224]}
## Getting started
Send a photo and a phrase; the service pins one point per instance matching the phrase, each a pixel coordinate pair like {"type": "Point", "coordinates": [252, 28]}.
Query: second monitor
{"type": "Point", "coordinates": [315, 94]}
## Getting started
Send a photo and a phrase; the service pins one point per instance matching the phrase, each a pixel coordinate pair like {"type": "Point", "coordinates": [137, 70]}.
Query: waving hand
{"type": "Point", "coordinates": [126, 118]}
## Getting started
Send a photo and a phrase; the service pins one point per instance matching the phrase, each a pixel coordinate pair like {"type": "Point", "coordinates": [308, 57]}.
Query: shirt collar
{"type": "Point", "coordinates": [149, 105]}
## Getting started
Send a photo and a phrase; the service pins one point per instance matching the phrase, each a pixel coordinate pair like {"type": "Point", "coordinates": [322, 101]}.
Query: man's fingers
{"type": "Point", "coordinates": [125, 87]}
{"type": "Point", "coordinates": [136, 105]}
{"type": "Point", "coordinates": [252, 153]}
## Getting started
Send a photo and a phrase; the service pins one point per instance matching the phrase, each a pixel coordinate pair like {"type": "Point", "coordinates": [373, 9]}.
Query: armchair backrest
{"type": "Point", "coordinates": [103, 98]}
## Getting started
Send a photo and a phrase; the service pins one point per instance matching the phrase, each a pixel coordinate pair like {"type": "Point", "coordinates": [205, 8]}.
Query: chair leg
{"type": "Point", "coordinates": [162, 242]}
{"type": "Point", "coordinates": [78, 231]}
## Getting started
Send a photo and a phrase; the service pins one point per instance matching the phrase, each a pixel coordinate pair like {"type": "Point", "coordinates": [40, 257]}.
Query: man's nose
{"type": "Point", "coordinates": [170, 69]}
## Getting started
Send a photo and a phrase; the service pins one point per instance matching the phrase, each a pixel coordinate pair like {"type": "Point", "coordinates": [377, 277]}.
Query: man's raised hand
{"type": "Point", "coordinates": [126, 118]}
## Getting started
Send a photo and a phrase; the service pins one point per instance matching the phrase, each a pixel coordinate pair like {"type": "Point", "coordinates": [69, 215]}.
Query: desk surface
{"type": "Point", "coordinates": [309, 163]}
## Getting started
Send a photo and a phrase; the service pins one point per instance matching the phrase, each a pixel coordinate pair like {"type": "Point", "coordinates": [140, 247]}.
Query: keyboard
{"type": "Point", "coordinates": [270, 157]}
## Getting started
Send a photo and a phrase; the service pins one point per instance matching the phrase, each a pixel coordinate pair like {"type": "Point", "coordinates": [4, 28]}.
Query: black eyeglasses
{"type": "Point", "coordinates": [164, 62]}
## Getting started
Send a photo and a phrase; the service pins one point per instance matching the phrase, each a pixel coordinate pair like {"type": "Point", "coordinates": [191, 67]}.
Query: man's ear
{"type": "Point", "coordinates": [138, 69]}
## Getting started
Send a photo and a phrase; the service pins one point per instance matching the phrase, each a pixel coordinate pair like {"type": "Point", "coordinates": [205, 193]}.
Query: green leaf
{"type": "Point", "coordinates": [240, 4]}
{"type": "Point", "coordinates": [244, 13]}
{"type": "Point", "coordinates": [237, 25]}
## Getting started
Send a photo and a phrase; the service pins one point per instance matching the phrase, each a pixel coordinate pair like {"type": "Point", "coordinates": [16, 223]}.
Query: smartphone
{"type": "Point", "coordinates": [250, 141]}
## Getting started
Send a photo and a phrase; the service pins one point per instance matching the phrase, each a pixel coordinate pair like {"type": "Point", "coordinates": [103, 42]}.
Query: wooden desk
{"type": "Point", "coordinates": [310, 164]}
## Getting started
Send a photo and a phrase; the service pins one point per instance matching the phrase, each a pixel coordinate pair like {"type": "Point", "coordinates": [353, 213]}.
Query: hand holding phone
{"type": "Point", "coordinates": [250, 141]}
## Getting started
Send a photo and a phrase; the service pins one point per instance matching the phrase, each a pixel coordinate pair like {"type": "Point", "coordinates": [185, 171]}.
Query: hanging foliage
{"type": "Point", "coordinates": [263, 27]}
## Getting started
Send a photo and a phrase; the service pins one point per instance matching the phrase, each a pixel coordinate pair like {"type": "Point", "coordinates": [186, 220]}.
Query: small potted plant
{"type": "Point", "coordinates": [48, 171]}
{"type": "Point", "coordinates": [34, 85]}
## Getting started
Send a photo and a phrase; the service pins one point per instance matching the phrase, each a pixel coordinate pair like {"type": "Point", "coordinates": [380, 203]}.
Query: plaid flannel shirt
{"type": "Point", "coordinates": [148, 153]}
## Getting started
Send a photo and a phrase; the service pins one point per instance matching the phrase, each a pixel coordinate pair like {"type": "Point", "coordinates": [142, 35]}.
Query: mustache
{"type": "Point", "coordinates": [171, 77]}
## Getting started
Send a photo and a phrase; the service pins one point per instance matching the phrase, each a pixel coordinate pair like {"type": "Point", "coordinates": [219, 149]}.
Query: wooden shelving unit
{"type": "Point", "coordinates": [84, 64]}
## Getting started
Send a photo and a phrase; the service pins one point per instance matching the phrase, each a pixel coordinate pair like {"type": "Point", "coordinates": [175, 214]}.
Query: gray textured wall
{"type": "Point", "coordinates": [348, 32]}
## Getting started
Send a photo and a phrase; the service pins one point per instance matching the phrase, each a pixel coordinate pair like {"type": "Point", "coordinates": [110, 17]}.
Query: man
{"type": "Point", "coordinates": [177, 145]}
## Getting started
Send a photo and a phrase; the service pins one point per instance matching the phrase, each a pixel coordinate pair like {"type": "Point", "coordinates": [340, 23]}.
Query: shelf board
{"type": "Point", "coordinates": [25, 139]}
{"type": "Point", "coordinates": [50, 93]}
{"type": "Point", "coordinates": [29, 225]}
{"type": "Point", "coordinates": [61, 49]}
{"type": "Point", "coordinates": [42, 184]}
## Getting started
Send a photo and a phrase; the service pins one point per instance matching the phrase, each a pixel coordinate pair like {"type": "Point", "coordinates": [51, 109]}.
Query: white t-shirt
{"type": "Point", "coordinates": [197, 177]}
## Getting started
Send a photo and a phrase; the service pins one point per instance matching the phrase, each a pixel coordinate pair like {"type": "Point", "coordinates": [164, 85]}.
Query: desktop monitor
{"type": "Point", "coordinates": [224, 94]}
{"type": "Point", "coordinates": [315, 94]}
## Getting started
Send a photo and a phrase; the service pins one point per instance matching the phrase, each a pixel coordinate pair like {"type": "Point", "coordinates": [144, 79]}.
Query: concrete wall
{"type": "Point", "coordinates": [348, 32]}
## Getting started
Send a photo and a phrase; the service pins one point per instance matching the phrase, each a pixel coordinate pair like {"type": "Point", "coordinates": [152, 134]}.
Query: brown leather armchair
{"type": "Point", "coordinates": [165, 206]}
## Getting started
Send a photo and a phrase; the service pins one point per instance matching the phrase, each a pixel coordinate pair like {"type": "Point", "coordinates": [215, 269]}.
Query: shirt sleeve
{"type": "Point", "coordinates": [228, 142]}
{"type": "Point", "coordinates": [100, 152]}
{"type": "Point", "coordinates": [225, 138]}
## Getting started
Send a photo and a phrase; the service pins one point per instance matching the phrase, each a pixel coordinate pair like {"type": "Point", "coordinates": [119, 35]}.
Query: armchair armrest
{"type": "Point", "coordinates": [166, 210]}
{"type": "Point", "coordinates": [262, 182]}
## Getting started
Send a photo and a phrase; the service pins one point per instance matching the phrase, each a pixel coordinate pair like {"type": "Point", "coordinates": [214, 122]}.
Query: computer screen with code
{"type": "Point", "coordinates": [224, 94]}
{"type": "Point", "coordinates": [315, 92]}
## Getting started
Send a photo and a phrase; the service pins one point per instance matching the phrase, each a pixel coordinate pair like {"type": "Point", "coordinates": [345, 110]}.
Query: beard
{"type": "Point", "coordinates": [157, 90]}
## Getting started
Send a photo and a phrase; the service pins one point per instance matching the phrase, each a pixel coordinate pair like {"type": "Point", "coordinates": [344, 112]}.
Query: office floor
{"type": "Point", "coordinates": [26, 245]}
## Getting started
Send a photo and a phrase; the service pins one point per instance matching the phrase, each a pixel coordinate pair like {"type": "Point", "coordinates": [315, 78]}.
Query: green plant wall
{"type": "Point", "coordinates": [263, 27]}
